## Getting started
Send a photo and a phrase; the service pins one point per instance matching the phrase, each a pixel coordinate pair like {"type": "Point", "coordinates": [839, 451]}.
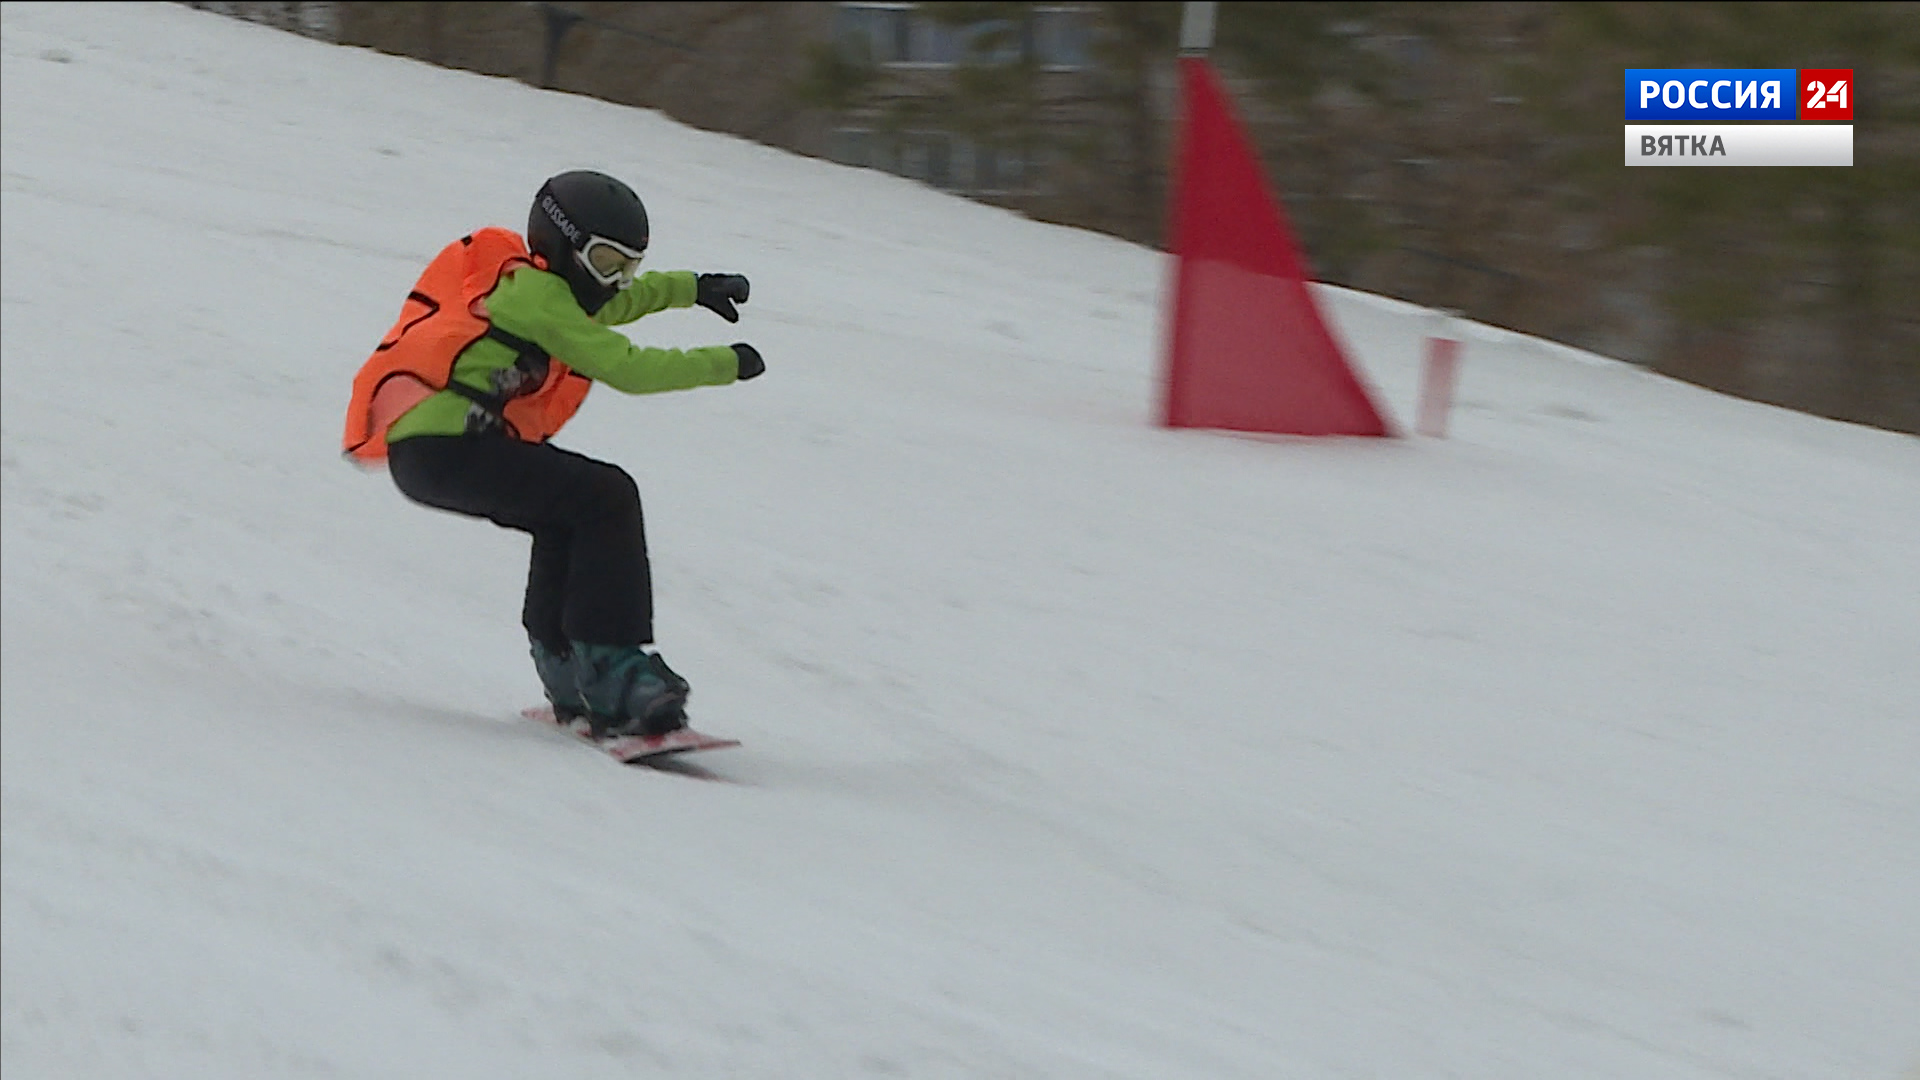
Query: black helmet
{"type": "Point", "coordinates": [592, 229]}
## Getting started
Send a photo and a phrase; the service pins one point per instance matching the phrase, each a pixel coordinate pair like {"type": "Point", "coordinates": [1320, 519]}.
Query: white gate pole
{"type": "Point", "coordinates": [1196, 27]}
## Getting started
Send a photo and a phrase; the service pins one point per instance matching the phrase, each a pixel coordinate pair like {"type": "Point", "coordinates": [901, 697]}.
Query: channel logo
{"type": "Point", "coordinates": [1826, 94]}
{"type": "Point", "coordinates": [1739, 116]}
{"type": "Point", "coordinates": [1680, 94]}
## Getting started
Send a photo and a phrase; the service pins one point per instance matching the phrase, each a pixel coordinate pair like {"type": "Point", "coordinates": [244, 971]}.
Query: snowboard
{"type": "Point", "coordinates": [635, 749]}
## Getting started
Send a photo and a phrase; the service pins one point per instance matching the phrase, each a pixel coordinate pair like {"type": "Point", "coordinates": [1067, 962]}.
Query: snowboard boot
{"type": "Point", "coordinates": [678, 718]}
{"type": "Point", "coordinates": [629, 691]}
{"type": "Point", "coordinates": [670, 676]}
{"type": "Point", "coordinates": [559, 677]}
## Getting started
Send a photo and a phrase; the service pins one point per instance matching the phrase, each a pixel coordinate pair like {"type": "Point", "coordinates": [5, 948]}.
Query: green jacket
{"type": "Point", "coordinates": [537, 305]}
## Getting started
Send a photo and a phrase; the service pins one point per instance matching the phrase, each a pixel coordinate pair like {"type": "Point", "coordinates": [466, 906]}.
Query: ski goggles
{"type": "Point", "coordinates": [610, 261]}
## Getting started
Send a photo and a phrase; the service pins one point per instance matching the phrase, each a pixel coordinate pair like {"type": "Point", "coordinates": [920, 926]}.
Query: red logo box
{"type": "Point", "coordinates": [1826, 93]}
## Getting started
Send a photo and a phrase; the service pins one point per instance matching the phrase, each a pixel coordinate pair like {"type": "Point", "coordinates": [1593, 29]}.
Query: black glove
{"type": "Point", "coordinates": [719, 292]}
{"type": "Point", "coordinates": [749, 358]}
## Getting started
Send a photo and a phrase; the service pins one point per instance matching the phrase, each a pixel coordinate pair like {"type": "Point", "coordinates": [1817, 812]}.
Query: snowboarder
{"type": "Point", "coordinates": [494, 350]}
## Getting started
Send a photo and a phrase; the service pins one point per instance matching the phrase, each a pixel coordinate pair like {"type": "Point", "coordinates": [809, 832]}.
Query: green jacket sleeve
{"type": "Point", "coordinates": [538, 306]}
{"type": "Point", "coordinates": [650, 292]}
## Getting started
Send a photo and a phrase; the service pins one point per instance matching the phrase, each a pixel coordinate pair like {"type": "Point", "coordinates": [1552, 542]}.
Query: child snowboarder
{"type": "Point", "coordinates": [493, 352]}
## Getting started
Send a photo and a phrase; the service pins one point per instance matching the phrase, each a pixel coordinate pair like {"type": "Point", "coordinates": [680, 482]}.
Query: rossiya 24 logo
{"type": "Point", "coordinates": [1754, 94]}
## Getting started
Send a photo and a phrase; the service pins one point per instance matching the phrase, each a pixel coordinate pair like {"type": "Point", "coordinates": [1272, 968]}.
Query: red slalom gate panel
{"type": "Point", "coordinates": [1247, 349]}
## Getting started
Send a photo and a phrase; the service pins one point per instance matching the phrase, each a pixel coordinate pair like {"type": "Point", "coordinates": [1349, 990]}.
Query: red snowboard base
{"type": "Point", "coordinates": [635, 749]}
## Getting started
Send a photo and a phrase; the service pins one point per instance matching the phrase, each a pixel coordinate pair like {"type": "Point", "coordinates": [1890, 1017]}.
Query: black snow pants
{"type": "Point", "coordinates": [588, 579]}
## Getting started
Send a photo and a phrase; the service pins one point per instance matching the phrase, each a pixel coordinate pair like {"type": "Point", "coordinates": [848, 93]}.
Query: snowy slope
{"type": "Point", "coordinates": [1581, 744]}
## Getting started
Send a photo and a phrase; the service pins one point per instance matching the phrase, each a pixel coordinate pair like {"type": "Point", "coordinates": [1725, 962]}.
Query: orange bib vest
{"type": "Point", "coordinates": [445, 313]}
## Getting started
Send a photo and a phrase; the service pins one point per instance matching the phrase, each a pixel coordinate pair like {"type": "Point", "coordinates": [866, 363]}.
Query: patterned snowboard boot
{"type": "Point", "coordinates": [629, 691]}
{"type": "Point", "coordinates": [559, 677]}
